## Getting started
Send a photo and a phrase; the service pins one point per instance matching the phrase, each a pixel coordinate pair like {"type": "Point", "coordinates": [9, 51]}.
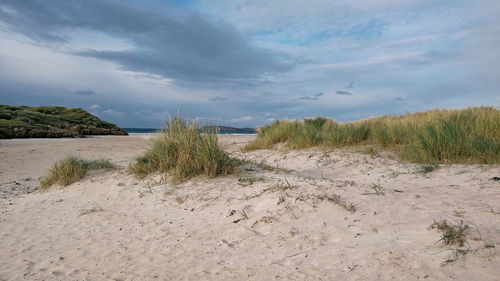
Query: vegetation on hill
{"type": "Point", "coordinates": [51, 121]}
{"type": "Point", "coordinates": [183, 151]}
{"type": "Point", "coordinates": [470, 135]}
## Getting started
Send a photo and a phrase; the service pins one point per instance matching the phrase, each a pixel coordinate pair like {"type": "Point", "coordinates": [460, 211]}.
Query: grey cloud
{"type": "Point", "coordinates": [457, 68]}
{"type": "Point", "coordinates": [186, 48]}
{"type": "Point", "coordinates": [342, 92]}
{"type": "Point", "coordinates": [84, 92]}
{"type": "Point", "coordinates": [313, 97]}
{"type": "Point", "coordinates": [217, 98]}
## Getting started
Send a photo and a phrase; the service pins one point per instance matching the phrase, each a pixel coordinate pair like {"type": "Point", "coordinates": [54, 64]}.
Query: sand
{"type": "Point", "coordinates": [271, 221]}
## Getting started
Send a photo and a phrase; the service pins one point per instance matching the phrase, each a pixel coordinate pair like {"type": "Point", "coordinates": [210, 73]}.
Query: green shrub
{"type": "Point", "coordinates": [5, 115]}
{"type": "Point", "coordinates": [182, 150]}
{"type": "Point", "coordinates": [70, 170]}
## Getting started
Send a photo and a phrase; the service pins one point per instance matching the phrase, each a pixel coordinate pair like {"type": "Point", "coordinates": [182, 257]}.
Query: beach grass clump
{"type": "Point", "coordinates": [277, 132]}
{"type": "Point", "coordinates": [470, 135]}
{"type": "Point", "coordinates": [184, 151]}
{"type": "Point", "coordinates": [347, 134]}
{"type": "Point", "coordinates": [71, 169]}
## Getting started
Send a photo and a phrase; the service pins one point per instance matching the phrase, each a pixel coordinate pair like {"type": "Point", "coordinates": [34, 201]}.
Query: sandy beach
{"type": "Point", "coordinates": [313, 214]}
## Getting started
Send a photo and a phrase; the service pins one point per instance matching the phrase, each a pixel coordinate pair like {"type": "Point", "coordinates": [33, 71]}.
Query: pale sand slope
{"type": "Point", "coordinates": [110, 226]}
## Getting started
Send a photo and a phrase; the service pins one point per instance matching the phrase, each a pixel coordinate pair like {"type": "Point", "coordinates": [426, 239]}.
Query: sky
{"type": "Point", "coordinates": [246, 63]}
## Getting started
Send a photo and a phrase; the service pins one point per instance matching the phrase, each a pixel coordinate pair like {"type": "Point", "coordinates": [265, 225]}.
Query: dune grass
{"type": "Point", "coordinates": [184, 151]}
{"type": "Point", "coordinates": [71, 169]}
{"type": "Point", "coordinates": [470, 135]}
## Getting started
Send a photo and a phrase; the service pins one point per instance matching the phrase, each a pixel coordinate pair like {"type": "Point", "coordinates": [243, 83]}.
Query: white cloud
{"type": "Point", "coordinates": [150, 78]}
{"type": "Point", "coordinates": [8, 10]}
{"type": "Point", "coordinates": [94, 106]}
{"type": "Point", "coordinates": [241, 119]}
{"type": "Point", "coordinates": [113, 113]}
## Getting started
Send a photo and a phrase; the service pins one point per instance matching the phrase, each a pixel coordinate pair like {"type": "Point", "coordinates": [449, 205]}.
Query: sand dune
{"type": "Point", "coordinates": [285, 216]}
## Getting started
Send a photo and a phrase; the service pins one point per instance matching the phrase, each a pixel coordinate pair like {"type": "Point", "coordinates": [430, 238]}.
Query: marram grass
{"type": "Point", "coordinates": [183, 151]}
{"type": "Point", "coordinates": [71, 169]}
{"type": "Point", "coordinates": [470, 135]}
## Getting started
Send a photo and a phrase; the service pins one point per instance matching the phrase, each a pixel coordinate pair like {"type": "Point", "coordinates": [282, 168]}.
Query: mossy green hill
{"type": "Point", "coordinates": [51, 121]}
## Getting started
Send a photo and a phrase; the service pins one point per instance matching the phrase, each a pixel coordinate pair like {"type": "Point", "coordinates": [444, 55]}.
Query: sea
{"type": "Point", "coordinates": [154, 130]}
{"type": "Point", "coordinates": [140, 130]}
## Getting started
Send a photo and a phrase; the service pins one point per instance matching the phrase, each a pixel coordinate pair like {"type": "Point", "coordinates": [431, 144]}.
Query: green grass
{"type": "Point", "coordinates": [183, 151]}
{"type": "Point", "coordinates": [13, 123]}
{"type": "Point", "coordinates": [71, 169]}
{"type": "Point", "coordinates": [470, 135]}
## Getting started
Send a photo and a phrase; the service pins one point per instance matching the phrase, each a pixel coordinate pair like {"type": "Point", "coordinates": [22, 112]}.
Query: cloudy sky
{"type": "Point", "coordinates": [249, 62]}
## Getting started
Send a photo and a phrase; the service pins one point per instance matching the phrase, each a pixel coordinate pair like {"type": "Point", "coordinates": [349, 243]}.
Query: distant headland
{"type": "Point", "coordinates": [52, 122]}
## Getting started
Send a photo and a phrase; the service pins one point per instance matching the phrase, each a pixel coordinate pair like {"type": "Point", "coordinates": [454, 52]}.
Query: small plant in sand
{"type": "Point", "coordinates": [451, 234]}
{"type": "Point", "coordinates": [70, 170]}
{"type": "Point", "coordinates": [377, 190]}
{"type": "Point", "coordinates": [428, 168]}
{"type": "Point", "coordinates": [489, 245]}
{"type": "Point", "coordinates": [244, 216]}
{"type": "Point", "coordinates": [282, 198]}
{"type": "Point", "coordinates": [184, 151]}
{"type": "Point", "coordinates": [283, 185]}
{"type": "Point", "coordinates": [95, 208]}
{"type": "Point", "coordinates": [454, 235]}
{"type": "Point", "coordinates": [339, 201]}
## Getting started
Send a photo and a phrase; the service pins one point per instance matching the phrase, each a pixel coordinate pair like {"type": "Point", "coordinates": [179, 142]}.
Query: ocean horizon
{"type": "Point", "coordinates": [221, 131]}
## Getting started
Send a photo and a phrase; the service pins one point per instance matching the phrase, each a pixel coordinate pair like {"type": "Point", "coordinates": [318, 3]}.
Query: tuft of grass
{"type": "Point", "coordinates": [95, 208]}
{"type": "Point", "coordinates": [282, 198]}
{"type": "Point", "coordinates": [470, 135]}
{"type": "Point", "coordinates": [339, 201]}
{"type": "Point", "coordinates": [184, 151]}
{"type": "Point", "coordinates": [489, 245]}
{"type": "Point", "coordinates": [244, 216]}
{"type": "Point", "coordinates": [246, 181]}
{"type": "Point", "coordinates": [426, 169]}
{"type": "Point", "coordinates": [71, 169]}
{"type": "Point", "coordinates": [283, 185]}
{"type": "Point", "coordinates": [377, 190]}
